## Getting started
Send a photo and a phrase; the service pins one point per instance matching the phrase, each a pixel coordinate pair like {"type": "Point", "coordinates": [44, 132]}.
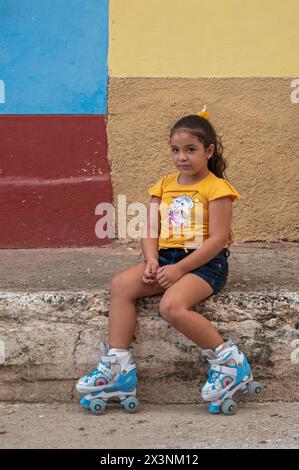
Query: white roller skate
{"type": "Point", "coordinates": [229, 373]}
{"type": "Point", "coordinates": [115, 376]}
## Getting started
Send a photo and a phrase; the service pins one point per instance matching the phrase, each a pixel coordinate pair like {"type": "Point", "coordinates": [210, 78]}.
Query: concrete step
{"type": "Point", "coordinates": [54, 307]}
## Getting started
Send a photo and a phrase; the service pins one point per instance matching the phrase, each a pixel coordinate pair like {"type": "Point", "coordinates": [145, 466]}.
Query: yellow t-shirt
{"type": "Point", "coordinates": [184, 209]}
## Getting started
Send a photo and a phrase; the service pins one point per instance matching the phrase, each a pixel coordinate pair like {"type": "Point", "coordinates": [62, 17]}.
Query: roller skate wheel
{"type": "Point", "coordinates": [131, 404]}
{"type": "Point", "coordinates": [98, 406]}
{"type": "Point", "coordinates": [254, 387]}
{"type": "Point", "coordinates": [214, 408]}
{"type": "Point", "coordinates": [229, 407]}
{"type": "Point", "coordinates": [85, 402]}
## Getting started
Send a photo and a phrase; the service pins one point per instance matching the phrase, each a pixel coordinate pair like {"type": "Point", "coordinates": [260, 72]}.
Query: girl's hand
{"type": "Point", "coordinates": [150, 272]}
{"type": "Point", "coordinates": [168, 275]}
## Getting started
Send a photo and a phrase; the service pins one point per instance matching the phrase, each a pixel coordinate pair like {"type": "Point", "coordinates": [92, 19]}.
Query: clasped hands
{"type": "Point", "coordinates": [166, 276]}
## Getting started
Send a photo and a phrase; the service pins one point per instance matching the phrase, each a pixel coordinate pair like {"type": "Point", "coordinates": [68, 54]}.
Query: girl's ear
{"type": "Point", "coordinates": [210, 151]}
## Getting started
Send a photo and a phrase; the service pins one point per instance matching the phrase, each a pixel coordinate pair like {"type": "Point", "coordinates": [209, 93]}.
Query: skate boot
{"type": "Point", "coordinates": [229, 373]}
{"type": "Point", "coordinates": [115, 376]}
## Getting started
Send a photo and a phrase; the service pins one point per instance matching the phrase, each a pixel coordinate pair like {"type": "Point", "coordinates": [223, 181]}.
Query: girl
{"type": "Point", "coordinates": [185, 246]}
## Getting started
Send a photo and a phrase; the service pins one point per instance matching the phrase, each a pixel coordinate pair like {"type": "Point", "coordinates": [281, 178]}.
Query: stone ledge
{"type": "Point", "coordinates": [54, 313]}
{"type": "Point", "coordinates": [52, 338]}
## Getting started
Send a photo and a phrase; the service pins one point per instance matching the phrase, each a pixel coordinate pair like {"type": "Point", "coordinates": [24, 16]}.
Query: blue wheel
{"type": "Point", "coordinates": [131, 404]}
{"type": "Point", "coordinates": [254, 387]}
{"type": "Point", "coordinates": [98, 406]}
{"type": "Point", "coordinates": [229, 407]}
{"type": "Point", "coordinates": [85, 402]}
{"type": "Point", "coordinates": [214, 408]}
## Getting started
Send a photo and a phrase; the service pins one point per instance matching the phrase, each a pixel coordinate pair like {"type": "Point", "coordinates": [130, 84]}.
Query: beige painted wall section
{"type": "Point", "coordinates": [203, 38]}
{"type": "Point", "coordinates": [259, 128]}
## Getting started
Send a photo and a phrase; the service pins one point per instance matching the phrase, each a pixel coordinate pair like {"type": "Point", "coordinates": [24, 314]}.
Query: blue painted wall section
{"type": "Point", "coordinates": [53, 56]}
{"type": "Point", "coordinates": [54, 169]}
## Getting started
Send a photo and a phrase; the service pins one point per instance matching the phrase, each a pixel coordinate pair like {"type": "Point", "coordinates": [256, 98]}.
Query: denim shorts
{"type": "Point", "coordinates": [215, 272]}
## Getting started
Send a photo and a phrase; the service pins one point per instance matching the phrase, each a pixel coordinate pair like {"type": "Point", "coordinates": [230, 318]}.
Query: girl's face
{"type": "Point", "coordinates": [189, 154]}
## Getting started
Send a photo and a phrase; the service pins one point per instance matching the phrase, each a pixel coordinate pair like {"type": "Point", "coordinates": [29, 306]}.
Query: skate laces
{"type": "Point", "coordinates": [102, 369]}
{"type": "Point", "coordinates": [106, 371]}
{"type": "Point", "coordinates": [109, 365]}
{"type": "Point", "coordinates": [217, 371]}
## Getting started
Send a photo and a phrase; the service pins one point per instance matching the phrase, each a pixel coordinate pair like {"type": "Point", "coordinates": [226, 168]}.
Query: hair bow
{"type": "Point", "coordinates": [203, 113]}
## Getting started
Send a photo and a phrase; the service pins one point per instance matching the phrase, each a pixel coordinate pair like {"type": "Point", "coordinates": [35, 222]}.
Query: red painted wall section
{"type": "Point", "coordinates": [53, 173]}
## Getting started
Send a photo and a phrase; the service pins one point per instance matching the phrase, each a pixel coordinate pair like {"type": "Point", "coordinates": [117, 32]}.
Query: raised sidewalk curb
{"type": "Point", "coordinates": [54, 312]}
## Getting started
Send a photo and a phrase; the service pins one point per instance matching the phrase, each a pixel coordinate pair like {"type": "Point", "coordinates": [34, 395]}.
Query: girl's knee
{"type": "Point", "coordinates": [170, 311]}
{"type": "Point", "coordinates": [123, 284]}
{"type": "Point", "coordinates": [118, 284]}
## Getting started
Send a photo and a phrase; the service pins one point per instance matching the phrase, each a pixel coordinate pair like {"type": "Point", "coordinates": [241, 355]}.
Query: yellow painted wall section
{"type": "Point", "coordinates": [258, 126]}
{"type": "Point", "coordinates": [204, 38]}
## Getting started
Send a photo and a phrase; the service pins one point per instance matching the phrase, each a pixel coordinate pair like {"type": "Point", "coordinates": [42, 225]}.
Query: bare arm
{"type": "Point", "coordinates": [151, 230]}
{"type": "Point", "coordinates": [220, 217]}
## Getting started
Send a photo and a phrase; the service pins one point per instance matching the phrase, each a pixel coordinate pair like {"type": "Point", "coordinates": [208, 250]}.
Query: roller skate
{"type": "Point", "coordinates": [229, 373]}
{"type": "Point", "coordinates": [114, 377]}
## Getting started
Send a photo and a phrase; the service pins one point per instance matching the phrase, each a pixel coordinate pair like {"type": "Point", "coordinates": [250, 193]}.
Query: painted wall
{"type": "Point", "coordinates": [204, 38]}
{"type": "Point", "coordinates": [53, 56]}
{"type": "Point", "coordinates": [238, 58]}
{"type": "Point", "coordinates": [53, 103]}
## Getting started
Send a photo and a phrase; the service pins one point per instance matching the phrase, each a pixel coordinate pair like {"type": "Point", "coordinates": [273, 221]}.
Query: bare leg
{"type": "Point", "coordinates": [127, 286]}
{"type": "Point", "coordinates": [174, 307]}
{"type": "Point", "coordinates": [198, 329]}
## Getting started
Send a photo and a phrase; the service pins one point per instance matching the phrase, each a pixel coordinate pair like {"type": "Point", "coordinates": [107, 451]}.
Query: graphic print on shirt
{"type": "Point", "coordinates": [179, 212]}
{"type": "Point", "coordinates": [176, 207]}
{"type": "Point", "coordinates": [182, 220]}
